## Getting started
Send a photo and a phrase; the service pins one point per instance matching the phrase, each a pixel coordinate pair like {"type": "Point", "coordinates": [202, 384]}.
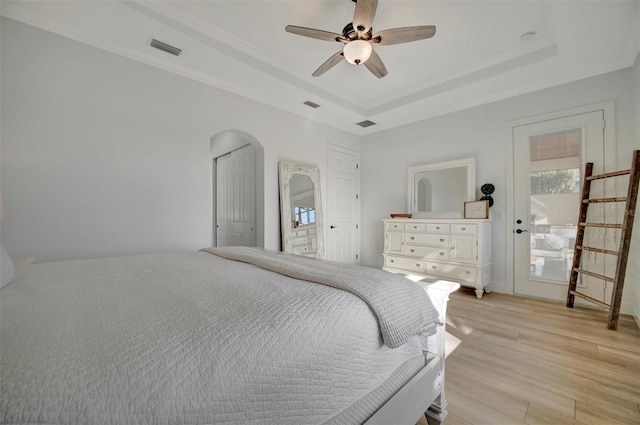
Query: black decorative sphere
{"type": "Point", "coordinates": [487, 189]}
{"type": "Point", "coordinates": [487, 198]}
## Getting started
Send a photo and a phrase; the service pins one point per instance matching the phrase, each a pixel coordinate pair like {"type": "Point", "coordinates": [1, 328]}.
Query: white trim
{"type": "Point", "coordinates": [608, 108]}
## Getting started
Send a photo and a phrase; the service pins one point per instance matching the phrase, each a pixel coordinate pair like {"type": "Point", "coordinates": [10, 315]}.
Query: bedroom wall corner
{"type": "Point", "coordinates": [483, 132]}
{"type": "Point", "coordinates": [633, 269]}
{"type": "Point", "coordinates": [106, 156]}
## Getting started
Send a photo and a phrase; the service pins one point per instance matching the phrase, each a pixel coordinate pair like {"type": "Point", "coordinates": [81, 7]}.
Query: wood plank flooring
{"type": "Point", "coordinates": [517, 360]}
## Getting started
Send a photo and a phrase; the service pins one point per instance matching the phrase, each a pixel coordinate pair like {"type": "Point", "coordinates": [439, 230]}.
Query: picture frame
{"type": "Point", "coordinates": [476, 209]}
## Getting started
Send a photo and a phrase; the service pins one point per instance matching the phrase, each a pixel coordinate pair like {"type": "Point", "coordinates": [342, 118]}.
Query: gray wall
{"type": "Point", "coordinates": [633, 270]}
{"type": "Point", "coordinates": [484, 133]}
{"type": "Point", "coordinates": [102, 155]}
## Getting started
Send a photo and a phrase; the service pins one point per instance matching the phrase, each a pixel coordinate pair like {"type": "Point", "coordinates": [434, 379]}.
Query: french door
{"type": "Point", "coordinates": [548, 164]}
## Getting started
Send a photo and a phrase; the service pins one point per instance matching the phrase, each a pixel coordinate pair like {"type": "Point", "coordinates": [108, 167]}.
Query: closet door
{"type": "Point", "coordinates": [343, 205]}
{"type": "Point", "coordinates": [235, 198]}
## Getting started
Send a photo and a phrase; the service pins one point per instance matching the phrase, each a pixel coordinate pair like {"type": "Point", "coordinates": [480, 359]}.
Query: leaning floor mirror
{"type": "Point", "coordinates": [301, 209]}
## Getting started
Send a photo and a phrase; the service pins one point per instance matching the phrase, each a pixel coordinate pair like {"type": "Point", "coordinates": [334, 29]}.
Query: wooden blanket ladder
{"type": "Point", "coordinates": [625, 239]}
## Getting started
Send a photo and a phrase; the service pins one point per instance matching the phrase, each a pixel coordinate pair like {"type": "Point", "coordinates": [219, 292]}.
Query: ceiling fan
{"type": "Point", "coordinates": [358, 39]}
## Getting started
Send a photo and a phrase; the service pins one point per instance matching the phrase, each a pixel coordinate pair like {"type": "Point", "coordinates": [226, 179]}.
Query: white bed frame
{"type": "Point", "coordinates": [424, 393]}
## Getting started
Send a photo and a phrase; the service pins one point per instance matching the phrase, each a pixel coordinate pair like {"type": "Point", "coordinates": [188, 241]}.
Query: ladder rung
{"type": "Point", "coordinates": [611, 174]}
{"type": "Point", "coordinates": [600, 200]}
{"type": "Point", "coordinates": [602, 251]}
{"type": "Point", "coordinates": [596, 275]}
{"type": "Point", "coordinates": [588, 298]}
{"type": "Point", "coordinates": [607, 225]}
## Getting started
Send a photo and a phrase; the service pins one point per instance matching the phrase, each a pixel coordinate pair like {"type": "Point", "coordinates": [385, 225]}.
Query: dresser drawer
{"type": "Point", "coordinates": [395, 227]}
{"type": "Point", "coordinates": [427, 252]}
{"type": "Point", "coordinates": [300, 240]}
{"type": "Point", "coordinates": [408, 264]}
{"type": "Point", "coordinates": [416, 227]}
{"type": "Point", "coordinates": [301, 249]}
{"type": "Point", "coordinates": [453, 271]}
{"type": "Point", "coordinates": [427, 239]}
{"type": "Point", "coordinates": [464, 229]}
{"type": "Point", "coordinates": [440, 228]}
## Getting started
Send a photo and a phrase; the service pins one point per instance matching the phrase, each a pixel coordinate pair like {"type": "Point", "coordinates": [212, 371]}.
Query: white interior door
{"type": "Point", "coordinates": [343, 205]}
{"type": "Point", "coordinates": [235, 211]}
{"type": "Point", "coordinates": [549, 159]}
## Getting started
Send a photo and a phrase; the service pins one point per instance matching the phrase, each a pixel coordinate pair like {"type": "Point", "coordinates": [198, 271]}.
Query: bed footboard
{"type": "Point", "coordinates": [424, 393]}
{"type": "Point", "coordinates": [406, 406]}
{"type": "Point", "coordinates": [439, 292]}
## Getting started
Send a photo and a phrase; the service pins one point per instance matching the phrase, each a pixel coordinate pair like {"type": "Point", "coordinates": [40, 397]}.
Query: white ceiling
{"type": "Point", "coordinates": [477, 55]}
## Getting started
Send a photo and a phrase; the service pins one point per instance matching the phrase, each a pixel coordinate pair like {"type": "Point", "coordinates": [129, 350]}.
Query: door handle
{"type": "Point", "coordinates": [333, 227]}
{"type": "Point", "coordinates": [518, 231]}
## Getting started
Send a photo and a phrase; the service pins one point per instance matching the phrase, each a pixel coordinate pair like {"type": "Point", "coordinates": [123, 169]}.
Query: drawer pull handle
{"type": "Point", "coordinates": [466, 272]}
{"type": "Point", "coordinates": [441, 253]}
{"type": "Point", "coordinates": [464, 228]}
{"type": "Point", "coordinates": [417, 264]}
{"type": "Point", "coordinates": [391, 261]}
{"type": "Point", "coordinates": [434, 267]}
{"type": "Point", "coordinates": [412, 238]}
{"type": "Point", "coordinates": [437, 227]}
{"type": "Point", "coordinates": [415, 227]}
{"type": "Point", "coordinates": [441, 240]}
{"type": "Point", "coordinates": [412, 250]}
{"type": "Point", "coordinates": [395, 226]}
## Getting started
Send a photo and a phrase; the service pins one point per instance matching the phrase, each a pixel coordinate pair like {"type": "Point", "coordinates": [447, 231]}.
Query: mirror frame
{"type": "Point", "coordinates": [469, 163]}
{"type": "Point", "coordinates": [287, 170]}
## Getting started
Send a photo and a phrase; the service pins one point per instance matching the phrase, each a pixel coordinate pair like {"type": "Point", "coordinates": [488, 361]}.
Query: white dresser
{"type": "Point", "coordinates": [304, 241]}
{"type": "Point", "coordinates": [454, 249]}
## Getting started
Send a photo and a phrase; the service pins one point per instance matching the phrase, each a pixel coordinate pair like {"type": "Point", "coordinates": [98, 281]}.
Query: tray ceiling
{"type": "Point", "coordinates": [477, 56]}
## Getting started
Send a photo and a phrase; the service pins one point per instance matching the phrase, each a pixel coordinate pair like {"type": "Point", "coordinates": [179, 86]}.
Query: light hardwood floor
{"type": "Point", "coordinates": [516, 360]}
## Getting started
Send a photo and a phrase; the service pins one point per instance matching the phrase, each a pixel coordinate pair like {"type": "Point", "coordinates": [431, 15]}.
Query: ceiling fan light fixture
{"type": "Point", "coordinates": [357, 51]}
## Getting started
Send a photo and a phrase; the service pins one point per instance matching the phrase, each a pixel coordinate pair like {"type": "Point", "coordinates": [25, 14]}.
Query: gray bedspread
{"type": "Point", "coordinates": [403, 308]}
{"type": "Point", "coordinates": [188, 338]}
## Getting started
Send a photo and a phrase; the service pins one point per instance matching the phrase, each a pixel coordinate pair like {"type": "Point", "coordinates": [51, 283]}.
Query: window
{"type": "Point", "coordinates": [555, 181]}
{"type": "Point", "coordinates": [304, 215]}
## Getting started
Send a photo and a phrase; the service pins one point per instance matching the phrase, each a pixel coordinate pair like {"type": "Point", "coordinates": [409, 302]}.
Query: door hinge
{"type": "Point", "coordinates": [604, 124]}
{"type": "Point", "coordinates": [356, 256]}
{"type": "Point", "coordinates": [357, 196]}
{"type": "Point", "coordinates": [357, 166]}
{"type": "Point", "coordinates": [356, 226]}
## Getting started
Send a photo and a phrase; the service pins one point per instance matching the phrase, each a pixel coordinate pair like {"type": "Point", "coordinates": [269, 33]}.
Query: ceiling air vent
{"type": "Point", "coordinates": [165, 47]}
{"type": "Point", "coordinates": [311, 104]}
{"type": "Point", "coordinates": [365, 124]}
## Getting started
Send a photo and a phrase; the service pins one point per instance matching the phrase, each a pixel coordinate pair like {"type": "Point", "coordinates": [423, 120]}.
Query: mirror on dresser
{"type": "Point", "coordinates": [439, 189]}
{"type": "Point", "coordinates": [301, 209]}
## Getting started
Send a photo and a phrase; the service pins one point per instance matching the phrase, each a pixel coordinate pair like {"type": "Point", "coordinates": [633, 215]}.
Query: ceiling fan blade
{"type": "Point", "coordinates": [330, 63]}
{"type": "Point", "coordinates": [375, 65]}
{"type": "Point", "coordinates": [364, 14]}
{"type": "Point", "coordinates": [314, 33]}
{"type": "Point", "coordinates": [403, 35]}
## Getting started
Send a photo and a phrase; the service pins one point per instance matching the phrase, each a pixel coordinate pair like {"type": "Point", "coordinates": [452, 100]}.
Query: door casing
{"type": "Point", "coordinates": [608, 108]}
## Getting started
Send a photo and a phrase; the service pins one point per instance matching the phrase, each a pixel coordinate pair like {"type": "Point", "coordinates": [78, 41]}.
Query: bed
{"type": "Point", "coordinates": [224, 335]}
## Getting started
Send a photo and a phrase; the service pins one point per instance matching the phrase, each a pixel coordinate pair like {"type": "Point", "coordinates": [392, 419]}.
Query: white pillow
{"type": "Point", "coordinates": [6, 269]}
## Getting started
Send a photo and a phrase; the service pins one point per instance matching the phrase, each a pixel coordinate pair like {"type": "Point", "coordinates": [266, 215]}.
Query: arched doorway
{"type": "Point", "coordinates": [232, 142]}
